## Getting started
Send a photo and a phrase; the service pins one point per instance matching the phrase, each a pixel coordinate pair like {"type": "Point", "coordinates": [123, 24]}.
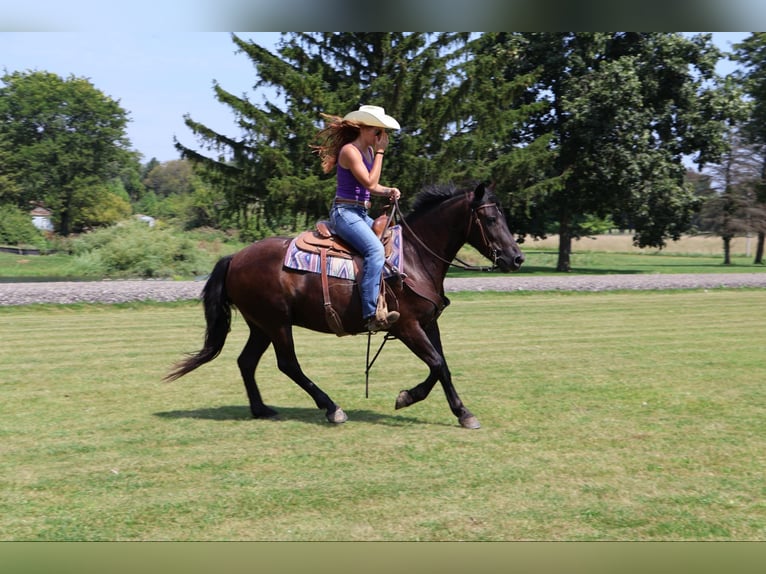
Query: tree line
{"type": "Point", "coordinates": [577, 132]}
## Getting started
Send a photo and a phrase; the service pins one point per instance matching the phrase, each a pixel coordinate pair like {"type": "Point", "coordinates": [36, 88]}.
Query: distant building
{"type": "Point", "coordinates": [41, 218]}
{"type": "Point", "coordinates": [148, 219]}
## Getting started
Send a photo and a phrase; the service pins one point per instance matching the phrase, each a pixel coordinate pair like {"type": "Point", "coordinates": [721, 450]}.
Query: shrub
{"type": "Point", "coordinates": [133, 249]}
{"type": "Point", "coordinates": [16, 228]}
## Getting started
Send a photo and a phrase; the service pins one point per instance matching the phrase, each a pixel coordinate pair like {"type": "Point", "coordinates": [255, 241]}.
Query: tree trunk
{"type": "Point", "coordinates": [565, 248]}
{"type": "Point", "coordinates": [759, 248]}
{"type": "Point", "coordinates": [727, 250]}
{"type": "Point", "coordinates": [64, 222]}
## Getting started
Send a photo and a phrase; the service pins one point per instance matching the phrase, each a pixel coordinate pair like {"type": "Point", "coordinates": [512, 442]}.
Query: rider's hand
{"type": "Point", "coordinates": [381, 141]}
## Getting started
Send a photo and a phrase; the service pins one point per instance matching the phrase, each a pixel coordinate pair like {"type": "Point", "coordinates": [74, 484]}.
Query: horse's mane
{"type": "Point", "coordinates": [432, 196]}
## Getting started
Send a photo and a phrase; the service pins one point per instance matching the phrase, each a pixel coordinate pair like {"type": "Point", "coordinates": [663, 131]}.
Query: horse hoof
{"type": "Point", "coordinates": [337, 416]}
{"type": "Point", "coordinates": [403, 400]}
{"type": "Point", "coordinates": [469, 422]}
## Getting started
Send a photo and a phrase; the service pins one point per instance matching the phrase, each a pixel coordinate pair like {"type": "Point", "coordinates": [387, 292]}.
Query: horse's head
{"type": "Point", "coordinates": [489, 232]}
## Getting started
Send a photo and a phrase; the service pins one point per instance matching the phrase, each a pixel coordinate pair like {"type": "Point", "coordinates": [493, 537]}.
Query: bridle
{"type": "Point", "coordinates": [474, 218]}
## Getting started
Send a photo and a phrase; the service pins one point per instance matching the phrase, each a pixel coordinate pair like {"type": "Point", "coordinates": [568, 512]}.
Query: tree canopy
{"type": "Point", "coordinates": [68, 141]}
{"type": "Point", "coordinates": [620, 111]}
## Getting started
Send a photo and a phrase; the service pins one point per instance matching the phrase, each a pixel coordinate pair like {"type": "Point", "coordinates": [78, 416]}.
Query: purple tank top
{"type": "Point", "coordinates": [348, 187]}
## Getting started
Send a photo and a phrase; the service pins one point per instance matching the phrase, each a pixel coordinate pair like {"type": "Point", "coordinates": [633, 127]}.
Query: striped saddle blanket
{"type": "Point", "coordinates": [305, 258]}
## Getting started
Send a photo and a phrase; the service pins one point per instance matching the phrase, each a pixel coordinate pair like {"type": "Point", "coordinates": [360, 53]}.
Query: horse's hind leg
{"type": "Point", "coordinates": [248, 361]}
{"type": "Point", "coordinates": [284, 346]}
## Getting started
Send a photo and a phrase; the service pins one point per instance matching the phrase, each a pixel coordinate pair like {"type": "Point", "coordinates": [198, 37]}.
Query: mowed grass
{"type": "Point", "coordinates": [606, 416]}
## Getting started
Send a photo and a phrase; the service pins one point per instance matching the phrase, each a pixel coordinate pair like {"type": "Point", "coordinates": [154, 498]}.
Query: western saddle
{"type": "Point", "coordinates": [325, 243]}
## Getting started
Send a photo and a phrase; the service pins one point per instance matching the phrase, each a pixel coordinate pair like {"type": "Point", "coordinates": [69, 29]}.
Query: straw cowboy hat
{"type": "Point", "coordinates": [372, 116]}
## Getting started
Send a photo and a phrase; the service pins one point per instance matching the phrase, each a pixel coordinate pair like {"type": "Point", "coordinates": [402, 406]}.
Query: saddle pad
{"type": "Point", "coordinates": [339, 267]}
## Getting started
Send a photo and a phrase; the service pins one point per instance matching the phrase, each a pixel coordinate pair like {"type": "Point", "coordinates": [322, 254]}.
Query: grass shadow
{"type": "Point", "coordinates": [306, 415]}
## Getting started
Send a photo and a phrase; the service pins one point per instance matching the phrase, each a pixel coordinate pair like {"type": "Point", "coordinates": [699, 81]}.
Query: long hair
{"type": "Point", "coordinates": [337, 133]}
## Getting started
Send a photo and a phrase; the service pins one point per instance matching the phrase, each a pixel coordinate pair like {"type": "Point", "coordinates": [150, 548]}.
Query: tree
{"type": "Point", "coordinates": [171, 177]}
{"type": "Point", "coordinates": [175, 191]}
{"type": "Point", "coordinates": [95, 204]}
{"type": "Point", "coordinates": [621, 111]}
{"type": "Point", "coordinates": [734, 208]}
{"type": "Point", "coordinates": [68, 141]}
{"type": "Point", "coordinates": [9, 187]}
{"type": "Point", "coordinates": [725, 212]}
{"type": "Point", "coordinates": [129, 177]}
{"type": "Point", "coordinates": [751, 53]}
{"type": "Point", "coordinates": [270, 174]}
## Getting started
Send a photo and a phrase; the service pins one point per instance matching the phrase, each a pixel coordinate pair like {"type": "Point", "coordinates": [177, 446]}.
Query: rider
{"type": "Point", "coordinates": [355, 144]}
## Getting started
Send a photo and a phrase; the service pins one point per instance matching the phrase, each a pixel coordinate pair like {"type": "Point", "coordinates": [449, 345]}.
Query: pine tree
{"type": "Point", "coordinates": [270, 173]}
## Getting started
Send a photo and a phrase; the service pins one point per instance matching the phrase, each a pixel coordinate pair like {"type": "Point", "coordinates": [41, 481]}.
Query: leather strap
{"type": "Point", "coordinates": [333, 320]}
{"type": "Point", "coordinates": [425, 290]}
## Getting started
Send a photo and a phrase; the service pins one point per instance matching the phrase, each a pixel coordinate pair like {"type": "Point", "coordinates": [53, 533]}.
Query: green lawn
{"type": "Point", "coordinates": [35, 267]}
{"type": "Point", "coordinates": [606, 416]}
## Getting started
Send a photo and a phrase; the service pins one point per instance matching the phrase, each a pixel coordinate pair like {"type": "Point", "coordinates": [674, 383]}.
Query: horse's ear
{"type": "Point", "coordinates": [478, 193]}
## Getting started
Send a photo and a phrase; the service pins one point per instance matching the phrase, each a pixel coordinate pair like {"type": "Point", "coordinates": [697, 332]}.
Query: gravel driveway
{"type": "Point", "coordinates": [157, 290]}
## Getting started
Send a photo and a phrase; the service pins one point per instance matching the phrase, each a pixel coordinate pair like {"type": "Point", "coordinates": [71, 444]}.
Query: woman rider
{"type": "Point", "coordinates": [355, 146]}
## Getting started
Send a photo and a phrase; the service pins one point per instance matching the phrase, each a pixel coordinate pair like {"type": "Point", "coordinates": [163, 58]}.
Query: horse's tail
{"type": "Point", "coordinates": [217, 317]}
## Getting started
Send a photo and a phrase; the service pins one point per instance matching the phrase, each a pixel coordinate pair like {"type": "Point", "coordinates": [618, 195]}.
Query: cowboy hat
{"type": "Point", "coordinates": [372, 116]}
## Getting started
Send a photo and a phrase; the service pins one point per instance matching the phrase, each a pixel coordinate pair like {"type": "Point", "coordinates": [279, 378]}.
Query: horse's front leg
{"type": "Point", "coordinates": [427, 345]}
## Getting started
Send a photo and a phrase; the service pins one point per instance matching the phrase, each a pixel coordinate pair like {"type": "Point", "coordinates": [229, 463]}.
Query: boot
{"type": "Point", "coordinates": [374, 324]}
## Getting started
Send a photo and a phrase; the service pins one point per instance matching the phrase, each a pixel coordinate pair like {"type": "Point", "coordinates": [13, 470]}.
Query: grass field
{"type": "Point", "coordinates": [608, 416]}
{"type": "Point", "coordinates": [623, 243]}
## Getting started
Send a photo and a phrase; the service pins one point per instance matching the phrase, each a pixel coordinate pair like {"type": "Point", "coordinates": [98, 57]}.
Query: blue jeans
{"type": "Point", "coordinates": [353, 225]}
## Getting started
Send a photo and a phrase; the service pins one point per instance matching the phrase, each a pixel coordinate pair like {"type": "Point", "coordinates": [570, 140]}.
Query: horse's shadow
{"type": "Point", "coordinates": [307, 415]}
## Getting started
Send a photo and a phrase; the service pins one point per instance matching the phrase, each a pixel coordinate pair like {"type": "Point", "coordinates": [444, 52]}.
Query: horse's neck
{"type": "Point", "coordinates": [442, 236]}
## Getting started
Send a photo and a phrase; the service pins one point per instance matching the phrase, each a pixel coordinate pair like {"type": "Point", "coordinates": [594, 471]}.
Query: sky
{"type": "Point", "coordinates": [158, 77]}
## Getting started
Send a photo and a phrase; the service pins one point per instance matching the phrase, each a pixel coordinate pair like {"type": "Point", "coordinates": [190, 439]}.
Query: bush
{"type": "Point", "coordinates": [16, 229]}
{"type": "Point", "coordinates": [133, 249]}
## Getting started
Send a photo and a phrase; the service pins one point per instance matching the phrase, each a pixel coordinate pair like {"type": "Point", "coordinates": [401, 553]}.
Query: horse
{"type": "Point", "coordinates": [272, 299]}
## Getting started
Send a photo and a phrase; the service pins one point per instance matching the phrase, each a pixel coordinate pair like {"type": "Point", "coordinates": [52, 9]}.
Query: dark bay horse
{"type": "Point", "coordinates": [272, 299]}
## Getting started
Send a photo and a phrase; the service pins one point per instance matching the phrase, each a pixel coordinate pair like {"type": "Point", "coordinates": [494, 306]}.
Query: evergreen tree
{"type": "Point", "coordinates": [270, 172]}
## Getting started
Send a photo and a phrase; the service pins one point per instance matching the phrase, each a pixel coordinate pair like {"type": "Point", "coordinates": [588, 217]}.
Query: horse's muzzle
{"type": "Point", "coordinates": [510, 263]}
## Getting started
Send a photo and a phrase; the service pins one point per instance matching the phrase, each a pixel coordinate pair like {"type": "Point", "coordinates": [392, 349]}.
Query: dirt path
{"type": "Point", "coordinates": [127, 291]}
